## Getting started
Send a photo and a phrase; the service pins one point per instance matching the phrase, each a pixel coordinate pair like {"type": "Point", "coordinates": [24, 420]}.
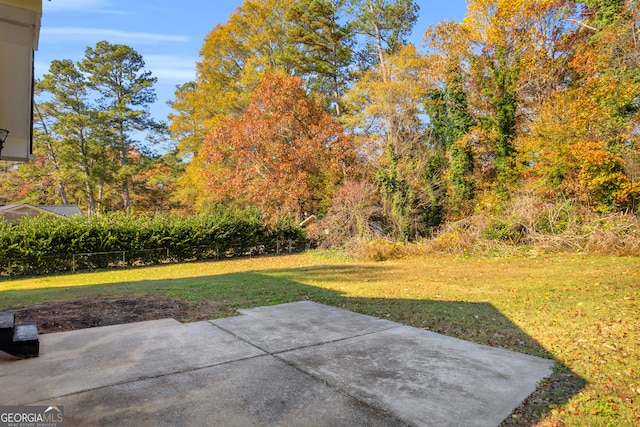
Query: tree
{"type": "Point", "coordinates": [155, 184]}
{"type": "Point", "coordinates": [320, 46]}
{"type": "Point", "coordinates": [188, 127]}
{"type": "Point", "coordinates": [517, 55]}
{"type": "Point", "coordinates": [586, 134]}
{"type": "Point", "coordinates": [450, 124]}
{"type": "Point", "coordinates": [385, 24]}
{"type": "Point", "coordinates": [85, 118]}
{"type": "Point", "coordinates": [236, 56]}
{"type": "Point", "coordinates": [312, 39]}
{"type": "Point", "coordinates": [386, 114]}
{"type": "Point", "coordinates": [283, 154]}
{"type": "Point", "coordinates": [75, 130]}
{"type": "Point", "coordinates": [45, 133]}
{"type": "Point", "coordinates": [603, 13]}
{"type": "Point", "coordinates": [117, 73]}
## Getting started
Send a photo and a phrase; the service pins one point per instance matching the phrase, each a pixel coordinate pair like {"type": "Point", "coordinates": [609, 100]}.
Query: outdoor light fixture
{"type": "Point", "coordinates": [3, 137]}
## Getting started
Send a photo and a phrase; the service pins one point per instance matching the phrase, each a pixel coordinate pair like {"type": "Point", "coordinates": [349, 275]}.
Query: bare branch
{"type": "Point", "coordinates": [582, 24]}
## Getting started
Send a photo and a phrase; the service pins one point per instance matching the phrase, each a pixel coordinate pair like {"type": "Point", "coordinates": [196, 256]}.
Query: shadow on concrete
{"type": "Point", "coordinates": [478, 322]}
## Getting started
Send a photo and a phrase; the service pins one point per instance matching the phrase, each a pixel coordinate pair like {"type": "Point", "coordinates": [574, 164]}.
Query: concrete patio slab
{"type": "Point", "coordinates": [262, 391]}
{"type": "Point", "coordinates": [299, 324]}
{"type": "Point", "coordinates": [86, 359]}
{"type": "Point", "coordinates": [297, 364]}
{"type": "Point", "coordinates": [425, 378]}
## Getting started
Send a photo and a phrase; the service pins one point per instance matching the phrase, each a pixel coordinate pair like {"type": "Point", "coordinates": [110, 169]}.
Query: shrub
{"type": "Point", "coordinates": [45, 244]}
{"type": "Point", "coordinates": [377, 249]}
{"type": "Point", "coordinates": [457, 237]}
{"type": "Point", "coordinates": [351, 216]}
{"type": "Point", "coordinates": [504, 229]}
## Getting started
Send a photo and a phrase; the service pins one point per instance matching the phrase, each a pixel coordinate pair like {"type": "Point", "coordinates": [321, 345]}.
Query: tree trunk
{"type": "Point", "coordinates": [52, 155]}
{"type": "Point", "coordinates": [376, 29]}
{"type": "Point", "coordinates": [126, 196]}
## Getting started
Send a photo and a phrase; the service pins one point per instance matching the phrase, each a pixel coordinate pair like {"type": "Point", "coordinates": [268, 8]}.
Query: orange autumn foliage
{"type": "Point", "coordinates": [283, 153]}
{"type": "Point", "coordinates": [602, 175]}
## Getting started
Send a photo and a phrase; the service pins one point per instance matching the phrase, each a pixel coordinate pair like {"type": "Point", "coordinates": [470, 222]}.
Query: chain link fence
{"type": "Point", "coordinates": [42, 264]}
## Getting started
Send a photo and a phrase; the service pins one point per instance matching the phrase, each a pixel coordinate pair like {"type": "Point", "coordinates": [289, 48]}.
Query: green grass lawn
{"type": "Point", "coordinates": [581, 310]}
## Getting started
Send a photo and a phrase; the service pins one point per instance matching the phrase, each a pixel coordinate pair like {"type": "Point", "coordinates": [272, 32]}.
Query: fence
{"type": "Point", "coordinates": [39, 265]}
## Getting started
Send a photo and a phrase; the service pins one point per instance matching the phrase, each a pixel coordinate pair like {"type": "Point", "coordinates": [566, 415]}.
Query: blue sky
{"type": "Point", "coordinates": [167, 33]}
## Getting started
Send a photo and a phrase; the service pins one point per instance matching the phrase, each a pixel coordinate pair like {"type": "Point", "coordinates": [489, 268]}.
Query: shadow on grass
{"type": "Point", "coordinates": [479, 322]}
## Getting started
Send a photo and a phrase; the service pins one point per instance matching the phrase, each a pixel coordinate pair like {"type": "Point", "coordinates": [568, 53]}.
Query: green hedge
{"type": "Point", "coordinates": [47, 244]}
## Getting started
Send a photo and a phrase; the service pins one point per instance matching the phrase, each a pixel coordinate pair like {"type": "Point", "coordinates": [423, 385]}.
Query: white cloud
{"type": "Point", "coordinates": [171, 69]}
{"type": "Point", "coordinates": [58, 34]}
{"type": "Point", "coordinates": [98, 6]}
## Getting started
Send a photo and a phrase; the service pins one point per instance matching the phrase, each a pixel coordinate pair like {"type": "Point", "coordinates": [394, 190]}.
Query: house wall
{"type": "Point", "coordinates": [35, 5]}
{"type": "Point", "coordinates": [19, 34]}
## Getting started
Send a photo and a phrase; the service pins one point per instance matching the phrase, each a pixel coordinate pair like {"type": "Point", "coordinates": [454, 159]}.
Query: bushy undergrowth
{"type": "Point", "coordinates": [377, 249]}
{"type": "Point", "coordinates": [45, 244]}
{"type": "Point", "coordinates": [550, 232]}
{"type": "Point", "coordinates": [525, 226]}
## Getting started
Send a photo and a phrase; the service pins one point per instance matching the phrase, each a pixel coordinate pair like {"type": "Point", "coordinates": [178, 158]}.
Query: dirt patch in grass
{"type": "Point", "coordinates": [92, 312]}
